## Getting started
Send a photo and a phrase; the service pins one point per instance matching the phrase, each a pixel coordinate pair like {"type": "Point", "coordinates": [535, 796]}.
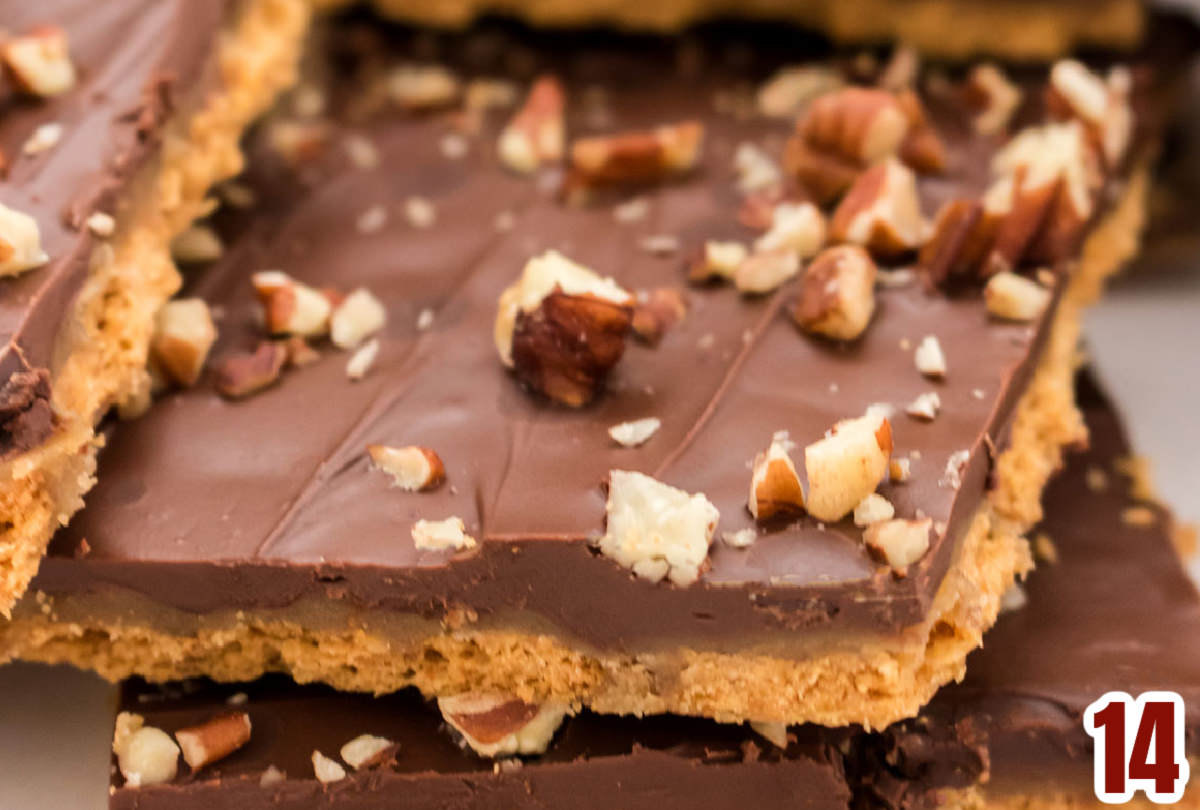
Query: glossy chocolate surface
{"type": "Point", "coordinates": [207, 504]}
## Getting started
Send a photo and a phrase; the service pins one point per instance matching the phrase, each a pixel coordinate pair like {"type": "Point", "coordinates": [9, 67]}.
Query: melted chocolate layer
{"type": "Point", "coordinates": [1116, 611]}
{"type": "Point", "coordinates": [207, 504]}
{"type": "Point", "coordinates": [111, 121]}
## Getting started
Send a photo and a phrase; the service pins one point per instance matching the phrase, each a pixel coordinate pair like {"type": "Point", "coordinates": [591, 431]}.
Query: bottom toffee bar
{"type": "Point", "coordinates": [1111, 608]}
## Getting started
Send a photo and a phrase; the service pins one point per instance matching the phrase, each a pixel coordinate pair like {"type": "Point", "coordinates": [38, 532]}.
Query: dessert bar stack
{"type": "Point", "coordinates": [584, 416]}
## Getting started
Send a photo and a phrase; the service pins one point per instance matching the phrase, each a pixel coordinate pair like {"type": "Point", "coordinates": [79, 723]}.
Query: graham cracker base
{"type": "Point", "coordinates": [131, 275]}
{"type": "Point", "coordinates": [954, 29]}
{"type": "Point", "coordinates": [874, 684]}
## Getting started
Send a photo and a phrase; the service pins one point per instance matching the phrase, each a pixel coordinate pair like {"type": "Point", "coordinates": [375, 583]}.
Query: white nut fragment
{"type": "Point", "coordinates": [357, 317]}
{"type": "Point", "coordinates": [900, 543]}
{"type": "Point", "coordinates": [1101, 105]}
{"type": "Point", "coordinates": [755, 170]}
{"type": "Point", "coordinates": [325, 769]}
{"type": "Point", "coordinates": [762, 273]}
{"type": "Point", "coordinates": [213, 740]}
{"type": "Point", "coordinates": [837, 295]}
{"type": "Point", "coordinates": [794, 226]}
{"type": "Point", "coordinates": [439, 535]}
{"type": "Point", "coordinates": [290, 307]}
{"type": "Point", "coordinates": [420, 212]}
{"type": "Point", "coordinates": [20, 242]}
{"type": "Point", "coordinates": [541, 276]}
{"type": "Point", "coordinates": [847, 465]}
{"type": "Point", "coordinates": [742, 538]}
{"type": "Point", "coordinates": [774, 483]}
{"type": "Point", "coordinates": [637, 432]}
{"type": "Point", "coordinates": [929, 357]}
{"type": "Point", "coordinates": [774, 733]}
{"type": "Point", "coordinates": [271, 776]}
{"type": "Point", "coordinates": [197, 244]}
{"type": "Point", "coordinates": [873, 509]}
{"type": "Point", "coordinates": [925, 406]}
{"type": "Point", "coordinates": [183, 335]}
{"type": "Point", "coordinates": [101, 224]}
{"type": "Point", "coordinates": [956, 464]}
{"type": "Point", "coordinates": [43, 138]}
{"type": "Point", "coordinates": [899, 470]}
{"type": "Point", "coordinates": [536, 135]}
{"type": "Point", "coordinates": [655, 529]}
{"type": "Point", "coordinates": [994, 96]}
{"type": "Point", "coordinates": [1015, 298]}
{"type": "Point", "coordinates": [40, 61]}
{"type": "Point", "coordinates": [499, 725]}
{"type": "Point", "coordinates": [363, 358]}
{"type": "Point", "coordinates": [423, 87]}
{"type": "Point", "coordinates": [412, 468]}
{"type": "Point", "coordinates": [882, 211]}
{"type": "Point", "coordinates": [364, 750]}
{"type": "Point", "coordinates": [145, 755]}
{"type": "Point", "coordinates": [789, 90]}
{"type": "Point", "coordinates": [718, 260]}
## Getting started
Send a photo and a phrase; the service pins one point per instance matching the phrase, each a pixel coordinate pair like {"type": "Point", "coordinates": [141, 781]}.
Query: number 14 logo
{"type": "Point", "coordinates": [1126, 730]}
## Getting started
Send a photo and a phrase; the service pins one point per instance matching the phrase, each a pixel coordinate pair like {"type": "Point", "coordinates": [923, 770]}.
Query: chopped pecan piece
{"type": "Point", "coordinates": [847, 465]}
{"type": "Point", "coordinates": [994, 98]}
{"type": "Point", "coordinates": [213, 740]}
{"type": "Point", "coordinates": [635, 158]}
{"type": "Point", "coordinates": [882, 212]}
{"type": "Point", "coordinates": [497, 725]}
{"type": "Point", "coordinates": [774, 483]}
{"type": "Point", "coordinates": [20, 242]}
{"type": "Point", "coordinates": [837, 296]}
{"type": "Point", "coordinates": [183, 334]}
{"type": "Point", "coordinates": [39, 62]}
{"type": "Point", "coordinates": [567, 345]}
{"type": "Point", "coordinates": [536, 134]}
{"type": "Point", "coordinates": [245, 373]}
{"type": "Point", "coordinates": [657, 311]}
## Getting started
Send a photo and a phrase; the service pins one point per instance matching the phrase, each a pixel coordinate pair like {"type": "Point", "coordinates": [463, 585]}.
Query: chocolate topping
{"type": "Point", "coordinates": [111, 122]}
{"type": "Point", "coordinates": [173, 517]}
{"type": "Point", "coordinates": [1115, 612]}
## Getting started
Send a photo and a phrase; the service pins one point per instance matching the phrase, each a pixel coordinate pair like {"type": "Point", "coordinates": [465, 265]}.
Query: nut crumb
{"type": "Point", "coordinates": [774, 483]}
{"type": "Point", "coordinates": [365, 750]}
{"type": "Point", "coordinates": [359, 315]}
{"type": "Point", "coordinates": [363, 358]}
{"type": "Point", "coordinates": [925, 406]}
{"type": "Point", "coordinates": [439, 535]}
{"type": "Point", "coordinates": [215, 739]}
{"type": "Point", "coordinates": [420, 212]}
{"type": "Point", "coordinates": [413, 469]}
{"type": "Point", "coordinates": [371, 220]}
{"type": "Point", "coordinates": [956, 464]}
{"type": "Point", "coordinates": [635, 433]}
{"type": "Point", "coordinates": [145, 755]}
{"type": "Point", "coordinates": [499, 725]}
{"type": "Point", "coordinates": [929, 358]}
{"type": "Point", "coordinates": [44, 138]}
{"type": "Point", "coordinates": [898, 542]}
{"type": "Point", "coordinates": [271, 776]}
{"type": "Point", "coordinates": [1097, 479]}
{"type": "Point", "coordinates": [742, 538]}
{"type": "Point", "coordinates": [20, 242]}
{"type": "Point", "coordinates": [873, 509]}
{"type": "Point", "coordinates": [774, 733]}
{"type": "Point", "coordinates": [657, 530]}
{"type": "Point", "coordinates": [899, 470]}
{"type": "Point", "coordinates": [325, 769]}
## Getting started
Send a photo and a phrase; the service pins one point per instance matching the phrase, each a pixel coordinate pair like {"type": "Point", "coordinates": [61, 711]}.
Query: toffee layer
{"type": "Point", "coordinates": [1115, 610]}
{"type": "Point", "coordinates": [216, 508]}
